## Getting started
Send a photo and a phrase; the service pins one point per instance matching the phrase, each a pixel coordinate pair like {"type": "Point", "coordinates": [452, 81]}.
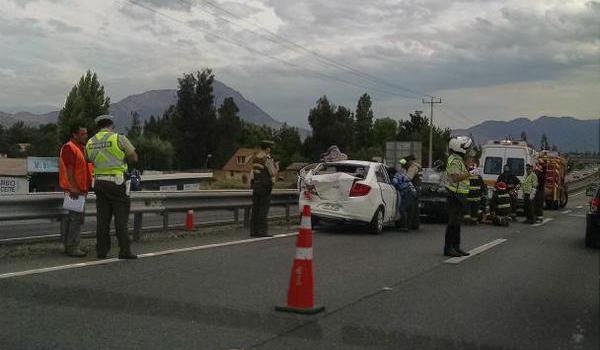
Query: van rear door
{"type": "Point", "coordinates": [492, 160]}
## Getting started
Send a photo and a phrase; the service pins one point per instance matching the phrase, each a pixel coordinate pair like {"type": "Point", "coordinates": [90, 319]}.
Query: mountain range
{"type": "Point", "coordinates": [154, 102]}
{"type": "Point", "coordinates": [568, 133]}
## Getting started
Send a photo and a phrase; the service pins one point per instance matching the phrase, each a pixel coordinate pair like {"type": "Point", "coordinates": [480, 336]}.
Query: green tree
{"type": "Point", "coordinates": [84, 103]}
{"type": "Point", "coordinates": [154, 153]}
{"type": "Point", "coordinates": [417, 129]}
{"type": "Point", "coordinates": [195, 120]}
{"type": "Point", "coordinates": [135, 131]}
{"type": "Point", "coordinates": [523, 136]}
{"type": "Point", "coordinates": [363, 125]}
{"type": "Point", "coordinates": [44, 142]}
{"type": "Point", "coordinates": [544, 144]}
{"type": "Point", "coordinates": [331, 125]}
{"type": "Point", "coordinates": [384, 130]}
{"type": "Point", "coordinates": [288, 146]}
{"type": "Point", "coordinates": [251, 134]}
{"type": "Point", "coordinates": [229, 129]}
{"type": "Point", "coordinates": [151, 126]}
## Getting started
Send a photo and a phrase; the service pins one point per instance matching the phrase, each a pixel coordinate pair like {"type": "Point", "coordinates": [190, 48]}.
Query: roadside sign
{"type": "Point", "coordinates": [13, 185]}
{"type": "Point", "coordinates": [42, 164]}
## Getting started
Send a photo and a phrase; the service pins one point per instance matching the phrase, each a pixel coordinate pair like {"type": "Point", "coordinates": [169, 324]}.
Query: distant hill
{"type": "Point", "coordinates": [155, 102]}
{"type": "Point", "coordinates": [568, 133]}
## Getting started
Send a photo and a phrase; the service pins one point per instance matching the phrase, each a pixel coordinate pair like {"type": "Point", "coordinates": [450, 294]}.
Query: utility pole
{"type": "Point", "coordinates": [431, 101]}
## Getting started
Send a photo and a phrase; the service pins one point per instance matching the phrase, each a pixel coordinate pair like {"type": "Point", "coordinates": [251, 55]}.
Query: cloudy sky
{"type": "Point", "coordinates": [486, 59]}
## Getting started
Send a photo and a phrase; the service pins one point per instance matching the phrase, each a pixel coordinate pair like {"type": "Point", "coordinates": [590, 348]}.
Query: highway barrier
{"type": "Point", "coordinates": [49, 206]}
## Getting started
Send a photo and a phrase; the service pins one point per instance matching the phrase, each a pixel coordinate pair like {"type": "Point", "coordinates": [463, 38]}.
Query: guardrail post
{"type": "Point", "coordinates": [236, 216]}
{"type": "Point", "coordinates": [137, 226]}
{"type": "Point", "coordinates": [165, 215]}
{"type": "Point", "coordinates": [246, 217]}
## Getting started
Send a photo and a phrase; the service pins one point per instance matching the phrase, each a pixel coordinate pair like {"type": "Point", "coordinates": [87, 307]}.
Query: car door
{"type": "Point", "coordinates": [389, 194]}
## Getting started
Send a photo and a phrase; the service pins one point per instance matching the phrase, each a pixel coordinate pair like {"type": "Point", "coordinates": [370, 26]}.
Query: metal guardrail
{"type": "Point", "coordinates": [49, 205]}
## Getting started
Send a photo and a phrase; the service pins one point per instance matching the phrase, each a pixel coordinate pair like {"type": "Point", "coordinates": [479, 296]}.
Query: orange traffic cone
{"type": "Point", "coordinates": [301, 293]}
{"type": "Point", "coordinates": [189, 220]}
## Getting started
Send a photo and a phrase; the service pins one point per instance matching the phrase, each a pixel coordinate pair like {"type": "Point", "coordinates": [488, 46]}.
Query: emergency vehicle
{"type": "Point", "coordinates": [496, 154]}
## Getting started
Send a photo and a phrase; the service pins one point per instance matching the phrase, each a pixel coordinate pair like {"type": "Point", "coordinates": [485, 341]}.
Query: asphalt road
{"type": "Point", "coordinates": [537, 290]}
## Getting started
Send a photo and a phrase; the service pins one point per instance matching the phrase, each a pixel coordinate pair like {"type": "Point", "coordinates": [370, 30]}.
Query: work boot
{"type": "Point", "coordinates": [127, 256]}
{"type": "Point", "coordinates": [75, 252]}
{"type": "Point", "coordinates": [450, 251]}
{"type": "Point", "coordinates": [460, 251]}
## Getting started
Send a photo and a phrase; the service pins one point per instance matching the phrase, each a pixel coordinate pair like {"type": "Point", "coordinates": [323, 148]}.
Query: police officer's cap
{"type": "Point", "coordinates": [104, 117]}
{"type": "Point", "coordinates": [267, 143]}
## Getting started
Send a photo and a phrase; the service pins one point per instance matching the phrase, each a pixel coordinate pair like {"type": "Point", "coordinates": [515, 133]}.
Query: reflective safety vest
{"type": "Point", "coordinates": [456, 165]}
{"type": "Point", "coordinates": [475, 182]}
{"type": "Point", "coordinates": [82, 170]}
{"type": "Point", "coordinates": [530, 182]}
{"type": "Point", "coordinates": [103, 150]}
{"type": "Point", "coordinates": [502, 203]}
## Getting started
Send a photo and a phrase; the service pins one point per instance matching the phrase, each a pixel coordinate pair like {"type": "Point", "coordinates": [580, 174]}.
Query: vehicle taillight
{"type": "Point", "coordinates": [595, 205]}
{"type": "Point", "coordinates": [359, 190]}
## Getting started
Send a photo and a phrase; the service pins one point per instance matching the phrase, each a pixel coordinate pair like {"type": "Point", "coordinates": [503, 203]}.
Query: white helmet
{"type": "Point", "coordinates": [460, 144]}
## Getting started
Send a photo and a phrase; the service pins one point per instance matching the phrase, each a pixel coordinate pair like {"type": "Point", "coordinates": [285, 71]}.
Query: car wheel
{"type": "Point", "coordinates": [315, 222]}
{"type": "Point", "coordinates": [376, 226]}
{"type": "Point", "coordinates": [415, 219]}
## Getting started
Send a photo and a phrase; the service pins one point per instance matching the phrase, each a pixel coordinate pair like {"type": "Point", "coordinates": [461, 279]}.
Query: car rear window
{"type": "Point", "coordinates": [493, 165]}
{"type": "Point", "coordinates": [357, 170]}
{"type": "Point", "coordinates": [517, 166]}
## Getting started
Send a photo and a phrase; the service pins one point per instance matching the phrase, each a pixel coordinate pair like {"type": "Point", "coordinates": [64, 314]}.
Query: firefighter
{"type": "Point", "coordinates": [529, 187]}
{"type": "Point", "coordinates": [458, 189]}
{"type": "Point", "coordinates": [538, 201]}
{"type": "Point", "coordinates": [512, 183]}
{"type": "Point", "coordinates": [500, 205]}
{"type": "Point", "coordinates": [264, 170]}
{"type": "Point", "coordinates": [473, 212]}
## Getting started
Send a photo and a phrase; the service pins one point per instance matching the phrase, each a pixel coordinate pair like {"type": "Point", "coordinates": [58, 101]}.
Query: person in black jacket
{"type": "Point", "coordinates": [512, 182]}
{"type": "Point", "coordinates": [538, 201]}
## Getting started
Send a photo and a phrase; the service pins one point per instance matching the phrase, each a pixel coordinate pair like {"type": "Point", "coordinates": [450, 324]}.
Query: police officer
{"type": "Point", "coordinates": [458, 189]}
{"type": "Point", "coordinates": [264, 171]}
{"type": "Point", "coordinates": [512, 182]}
{"type": "Point", "coordinates": [108, 151]}
{"type": "Point", "coordinates": [529, 187]}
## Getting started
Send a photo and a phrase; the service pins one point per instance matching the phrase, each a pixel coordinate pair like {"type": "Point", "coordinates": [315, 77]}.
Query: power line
{"type": "Point", "coordinates": [319, 57]}
{"type": "Point", "coordinates": [318, 74]}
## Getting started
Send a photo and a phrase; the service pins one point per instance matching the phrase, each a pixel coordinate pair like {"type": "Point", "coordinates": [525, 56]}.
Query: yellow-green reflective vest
{"type": "Point", "coordinates": [103, 150]}
{"type": "Point", "coordinates": [457, 166]}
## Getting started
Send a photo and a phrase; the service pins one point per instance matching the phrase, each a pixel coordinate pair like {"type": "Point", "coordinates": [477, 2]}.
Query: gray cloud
{"type": "Point", "coordinates": [63, 27]}
{"type": "Point", "coordinates": [434, 46]}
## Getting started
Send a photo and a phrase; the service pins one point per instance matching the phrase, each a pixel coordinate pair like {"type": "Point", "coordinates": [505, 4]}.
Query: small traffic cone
{"type": "Point", "coordinates": [189, 220]}
{"type": "Point", "coordinates": [301, 292]}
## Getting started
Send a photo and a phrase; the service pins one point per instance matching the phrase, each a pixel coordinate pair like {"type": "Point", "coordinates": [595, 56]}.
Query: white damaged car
{"type": "Point", "coordinates": [350, 191]}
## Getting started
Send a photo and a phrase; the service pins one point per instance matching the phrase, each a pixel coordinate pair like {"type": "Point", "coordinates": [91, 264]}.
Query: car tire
{"type": "Point", "coordinates": [314, 222]}
{"type": "Point", "coordinates": [376, 226]}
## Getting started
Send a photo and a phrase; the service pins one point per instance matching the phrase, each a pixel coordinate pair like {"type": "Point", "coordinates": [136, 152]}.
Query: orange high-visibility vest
{"type": "Point", "coordinates": [82, 170]}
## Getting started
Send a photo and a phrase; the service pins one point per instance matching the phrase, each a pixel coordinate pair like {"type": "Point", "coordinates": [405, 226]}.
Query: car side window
{"type": "Point", "coordinates": [381, 175]}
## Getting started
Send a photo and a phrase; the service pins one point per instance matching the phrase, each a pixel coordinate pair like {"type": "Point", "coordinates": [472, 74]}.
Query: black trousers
{"type": "Point", "coordinates": [539, 202]}
{"type": "Point", "coordinates": [261, 201]}
{"type": "Point", "coordinates": [111, 199]}
{"type": "Point", "coordinates": [455, 216]}
{"type": "Point", "coordinates": [528, 207]}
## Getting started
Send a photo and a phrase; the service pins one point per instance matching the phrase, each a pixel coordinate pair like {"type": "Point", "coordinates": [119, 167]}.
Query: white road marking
{"type": "Point", "coordinates": [579, 206]}
{"type": "Point", "coordinates": [545, 221]}
{"type": "Point", "coordinates": [566, 211]}
{"type": "Point", "coordinates": [476, 251]}
{"type": "Point", "coordinates": [575, 194]}
{"type": "Point", "coordinates": [146, 255]}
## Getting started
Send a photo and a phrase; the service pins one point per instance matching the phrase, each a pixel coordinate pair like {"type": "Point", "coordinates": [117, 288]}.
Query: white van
{"type": "Point", "coordinates": [496, 154]}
